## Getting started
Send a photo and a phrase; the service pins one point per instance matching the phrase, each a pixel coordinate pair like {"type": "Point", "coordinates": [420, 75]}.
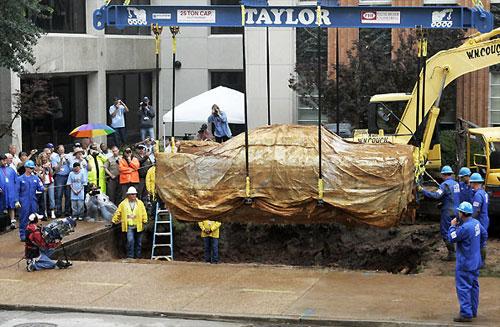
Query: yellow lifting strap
{"type": "Point", "coordinates": [321, 188]}
{"type": "Point", "coordinates": [157, 29]}
{"type": "Point", "coordinates": [172, 144]}
{"type": "Point", "coordinates": [174, 44]}
{"type": "Point", "coordinates": [107, 2]}
{"type": "Point", "coordinates": [126, 2]}
{"type": "Point", "coordinates": [247, 188]}
{"type": "Point", "coordinates": [243, 14]}
{"type": "Point", "coordinates": [478, 3]}
{"type": "Point", "coordinates": [318, 15]}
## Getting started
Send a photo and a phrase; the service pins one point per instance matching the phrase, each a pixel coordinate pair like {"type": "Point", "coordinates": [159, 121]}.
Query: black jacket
{"type": "Point", "coordinates": [146, 115]}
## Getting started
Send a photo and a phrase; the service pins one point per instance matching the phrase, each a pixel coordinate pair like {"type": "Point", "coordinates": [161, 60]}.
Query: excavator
{"type": "Point", "coordinates": [416, 124]}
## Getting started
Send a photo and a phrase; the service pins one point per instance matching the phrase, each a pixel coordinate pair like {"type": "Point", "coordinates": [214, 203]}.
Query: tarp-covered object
{"type": "Point", "coordinates": [364, 183]}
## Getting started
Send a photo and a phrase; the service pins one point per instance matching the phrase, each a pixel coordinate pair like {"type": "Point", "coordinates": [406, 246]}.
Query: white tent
{"type": "Point", "coordinates": [198, 109]}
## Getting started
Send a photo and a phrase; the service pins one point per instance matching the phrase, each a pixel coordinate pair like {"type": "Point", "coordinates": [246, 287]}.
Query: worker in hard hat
{"type": "Point", "coordinates": [210, 236]}
{"type": "Point", "coordinates": [449, 194]}
{"type": "Point", "coordinates": [132, 214]}
{"type": "Point", "coordinates": [27, 186]}
{"type": "Point", "coordinates": [480, 205]}
{"type": "Point", "coordinates": [470, 237]}
{"type": "Point", "coordinates": [466, 192]}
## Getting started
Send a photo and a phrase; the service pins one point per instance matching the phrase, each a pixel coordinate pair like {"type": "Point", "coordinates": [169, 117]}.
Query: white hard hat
{"type": "Point", "coordinates": [131, 190]}
{"type": "Point", "coordinates": [33, 216]}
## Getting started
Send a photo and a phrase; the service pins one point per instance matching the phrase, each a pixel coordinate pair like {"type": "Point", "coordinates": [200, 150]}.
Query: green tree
{"type": "Point", "coordinates": [370, 70]}
{"type": "Point", "coordinates": [18, 32]}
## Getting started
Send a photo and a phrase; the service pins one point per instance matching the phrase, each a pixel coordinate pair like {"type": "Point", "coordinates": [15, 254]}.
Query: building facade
{"type": "Point", "coordinates": [86, 69]}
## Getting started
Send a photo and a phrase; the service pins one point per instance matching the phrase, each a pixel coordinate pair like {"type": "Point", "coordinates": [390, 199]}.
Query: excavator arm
{"type": "Point", "coordinates": [478, 52]}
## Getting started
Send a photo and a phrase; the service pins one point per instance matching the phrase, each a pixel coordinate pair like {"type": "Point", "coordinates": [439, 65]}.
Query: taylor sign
{"type": "Point", "coordinates": [285, 16]}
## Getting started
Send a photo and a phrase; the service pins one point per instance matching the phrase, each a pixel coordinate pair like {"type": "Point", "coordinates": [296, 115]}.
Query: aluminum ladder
{"type": "Point", "coordinates": [163, 237]}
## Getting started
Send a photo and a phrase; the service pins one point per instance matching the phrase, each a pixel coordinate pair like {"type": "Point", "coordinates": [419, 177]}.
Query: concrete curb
{"type": "Point", "coordinates": [292, 320]}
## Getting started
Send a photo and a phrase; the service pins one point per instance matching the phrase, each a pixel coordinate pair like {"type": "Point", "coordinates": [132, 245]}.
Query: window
{"type": "Point", "coordinates": [375, 2]}
{"type": "Point", "coordinates": [67, 17]}
{"type": "Point", "coordinates": [495, 99]}
{"type": "Point", "coordinates": [307, 65]}
{"type": "Point", "coordinates": [230, 79]}
{"type": "Point", "coordinates": [494, 105]}
{"type": "Point", "coordinates": [131, 30]}
{"type": "Point", "coordinates": [225, 30]}
{"type": "Point", "coordinates": [130, 87]}
{"type": "Point", "coordinates": [68, 110]}
{"type": "Point", "coordinates": [440, 2]}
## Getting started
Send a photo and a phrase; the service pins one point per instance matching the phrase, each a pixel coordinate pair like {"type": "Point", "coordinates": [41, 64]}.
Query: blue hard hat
{"type": "Point", "coordinates": [476, 178]}
{"type": "Point", "coordinates": [465, 207]}
{"type": "Point", "coordinates": [464, 171]}
{"type": "Point", "coordinates": [29, 164]}
{"type": "Point", "coordinates": [446, 170]}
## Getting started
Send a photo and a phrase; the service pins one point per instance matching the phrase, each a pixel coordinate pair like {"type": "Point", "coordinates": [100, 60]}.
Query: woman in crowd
{"type": "Point", "coordinates": [45, 173]}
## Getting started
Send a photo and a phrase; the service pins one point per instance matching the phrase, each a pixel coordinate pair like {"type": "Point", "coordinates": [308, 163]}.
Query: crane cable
{"type": "Point", "coordinates": [321, 185]}
{"type": "Point", "coordinates": [248, 199]}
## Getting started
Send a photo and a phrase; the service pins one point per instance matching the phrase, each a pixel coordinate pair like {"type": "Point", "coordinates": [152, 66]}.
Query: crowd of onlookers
{"type": "Point", "coordinates": [68, 176]}
{"type": "Point", "coordinates": [86, 180]}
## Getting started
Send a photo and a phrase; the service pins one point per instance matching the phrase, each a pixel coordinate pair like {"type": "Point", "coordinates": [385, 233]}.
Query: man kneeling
{"type": "Point", "coordinates": [37, 250]}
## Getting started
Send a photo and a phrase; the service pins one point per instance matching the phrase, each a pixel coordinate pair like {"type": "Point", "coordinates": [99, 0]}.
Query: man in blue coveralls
{"type": "Point", "coordinates": [27, 185]}
{"type": "Point", "coordinates": [470, 237]}
{"type": "Point", "coordinates": [449, 193]}
{"type": "Point", "coordinates": [480, 205]}
{"type": "Point", "coordinates": [8, 194]}
{"type": "Point", "coordinates": [466, 192]}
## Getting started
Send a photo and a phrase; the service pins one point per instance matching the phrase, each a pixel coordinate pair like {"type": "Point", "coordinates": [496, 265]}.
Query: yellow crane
{"type": "Point", "coordinates": [477, 52]}
{"type": "Point", "coordinates": [388, 122]}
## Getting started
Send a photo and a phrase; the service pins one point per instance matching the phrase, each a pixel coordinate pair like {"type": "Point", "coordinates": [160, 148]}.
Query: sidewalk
{"type": "Point", "coordinates": [235, 291]}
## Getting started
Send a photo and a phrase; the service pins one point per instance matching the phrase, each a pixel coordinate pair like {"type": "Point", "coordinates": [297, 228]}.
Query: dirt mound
{"type": "Point", "coordinates": [399, 249]}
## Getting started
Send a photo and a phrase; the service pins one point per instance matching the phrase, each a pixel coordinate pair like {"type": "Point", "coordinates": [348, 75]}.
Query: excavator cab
{"type": "Point", "coordinates": [384, 119]}
{"type": "Point", "coordinates": [483, 156]}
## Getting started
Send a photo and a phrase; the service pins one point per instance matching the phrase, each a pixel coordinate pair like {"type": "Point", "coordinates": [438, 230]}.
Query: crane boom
{"type": "Point", "coordinates": [477, 52]}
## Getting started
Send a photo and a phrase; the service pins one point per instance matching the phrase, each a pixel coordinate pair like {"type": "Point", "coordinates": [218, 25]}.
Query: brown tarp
{"type": "Point", "coordinates": [364, 183]}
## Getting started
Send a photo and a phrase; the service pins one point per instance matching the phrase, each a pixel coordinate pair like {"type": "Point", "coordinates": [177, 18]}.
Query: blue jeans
{"type": "Point", "coordinates": [43, 261]}
{"type": "Point", "coordinates": [50, 192]}
{"type": "Point", "coordinates": [77, 208]}
{"type": "Point", "coordinates": [134, 243]}
{"type": "Point", "coordinates": [120, 136]}
{"type": "Point", "coordinates": [211, 249]}
{"type": "Point", "coordinates": [60, 189]}
{"type": "Point", "coordinates": [147, 132]}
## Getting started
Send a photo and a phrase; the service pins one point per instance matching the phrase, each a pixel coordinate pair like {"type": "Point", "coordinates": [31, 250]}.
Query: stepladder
{"type": "Point", "coordinates": [163, 235]}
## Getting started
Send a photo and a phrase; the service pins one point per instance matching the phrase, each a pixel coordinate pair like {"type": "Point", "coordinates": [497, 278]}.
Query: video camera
{"type": "Point", "coordinates": [58, 229]}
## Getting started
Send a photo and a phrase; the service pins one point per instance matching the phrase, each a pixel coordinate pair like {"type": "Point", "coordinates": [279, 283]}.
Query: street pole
{"type": "Point", "coordinates": [156, 29]}
{"type": "Point", "coordinates": [174, 30]}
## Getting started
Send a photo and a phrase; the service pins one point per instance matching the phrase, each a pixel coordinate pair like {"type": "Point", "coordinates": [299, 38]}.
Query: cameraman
{"type": "Point", "coordinates": [146, 114]}
{"type": "Point", "coordinates": [37, 251]}
{"type": "Point", "coordinates": [222, 131]}
{"type": "Point", "coordinates": [117, 112]}
{"type": "Point", "coordinates": [111, 166]}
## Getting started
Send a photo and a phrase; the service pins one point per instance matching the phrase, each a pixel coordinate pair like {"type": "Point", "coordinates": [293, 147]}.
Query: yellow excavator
{"type": "Point", "coordinates": [404, 118]}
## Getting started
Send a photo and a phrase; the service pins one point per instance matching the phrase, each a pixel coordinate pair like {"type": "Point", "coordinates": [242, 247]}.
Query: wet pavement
{"type": "Point", "coordinates": [53, 319]}
{"type": "Point", "coordinates": [243, 292]}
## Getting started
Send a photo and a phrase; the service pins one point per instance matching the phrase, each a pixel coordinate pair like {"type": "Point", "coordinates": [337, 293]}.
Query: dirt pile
{"type": "Point", "coordinates": [400, 249]}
